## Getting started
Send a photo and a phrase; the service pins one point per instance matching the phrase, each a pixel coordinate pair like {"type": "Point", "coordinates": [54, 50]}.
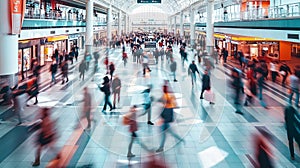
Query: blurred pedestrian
{"type": "Point", "coordinates": [64, 70]}
{"type": "Point", "coordinates": [263, 152]}
{"type": "Point", "coordinates": [192, 71]}
{"type": "Point", "coordinates": [87, 106]}
{"type": "Point", "coordinates": [111, 69]}
{"type": "Point", "coordinates": [261, 72]}
{"type": "Point", "coordinates": [116, 89]}
{"type": "Point", "coordinates": [145, 64]}
{"type": "Point", "coordinates": [205, 83]}
{"type": "Point", "coordinates": [82, 69]}
{"type": "Point", "coordinates": [238, 87]}
{"type": "Point", "coordinates": [87, 59]}
{"type": "Point", "coordinates": [133, 127]}
{"type": "Point", "coordinates": [284, 70]}
{"type": "Point", "coordinates": [148, 104]}
{"type": "Point", "coordinates": [53, 70]}
{"type": "Point", "coordinates": [71, 56]}
{"type": "Point", "coordinates": [294, 84]}
{"type": "Point", "coordinates": [106, 90]}
{"type": "Point", "coordinates": [173, 67]}
{"type": "Point", "coordinates": [292, 124]}
{"type": "Point", "coordinates": [274, 70]}
{"type": "Point", "coordinates": [124, 58]}
{"type": "Point", "coordinates": [32, 88]}
{"type": "Point", "coordinates": [46, 134]}
{"type": "Point", "coordinates": [106, 62]}
{"type": "Point", "coordinates": [167, 117]}
{"type": "Point", "coordinates": [224, 54]}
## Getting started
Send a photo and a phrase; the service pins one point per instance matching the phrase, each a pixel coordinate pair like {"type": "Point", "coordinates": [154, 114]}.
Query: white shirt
{"type": "Point", "coordinates": [273, 67]}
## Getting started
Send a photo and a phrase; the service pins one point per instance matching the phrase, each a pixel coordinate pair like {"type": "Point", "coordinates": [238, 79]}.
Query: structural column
{"type": "Point", "coordinates": [109, 22]}
{"type": "Point", "coordinates": [89, 34]}
{"type": "Point", "coordinates": [8, 47]}
{"type": "Point", "coordinates": [170, 24]}
{"type": "Point", "coordinates": [192, 26]}
{"type": "Point", "coordinates": [210, 28]}
{"type": "Point", "coordinates": [175, 25]}
{"type": "Point", "coordinates": [181, 24]}
{"type": "Point", "coordinates": [120, 23]}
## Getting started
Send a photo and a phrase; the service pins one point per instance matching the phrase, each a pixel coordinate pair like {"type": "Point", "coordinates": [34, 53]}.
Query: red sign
{"type": "Point", "coordinates": [17, 11]}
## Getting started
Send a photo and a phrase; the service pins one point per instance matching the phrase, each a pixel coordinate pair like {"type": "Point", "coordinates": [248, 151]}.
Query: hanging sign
{"type": "Point", "coordinates": [17, 10]}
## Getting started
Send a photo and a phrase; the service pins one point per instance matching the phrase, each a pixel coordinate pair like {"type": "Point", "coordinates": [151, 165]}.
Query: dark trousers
{"type": "Point", "coordinates": [274, 75]}
{"type": "Point", "coordinates": [291, 137]}
{"type": "Point", "coordinates": [202, 91]}
{"type": "Point", "coordinates": [107, 102]}
{"type": "Point", "coordinates": [283, 79]}
{"type": "Point", "coordinates": [81, 74]}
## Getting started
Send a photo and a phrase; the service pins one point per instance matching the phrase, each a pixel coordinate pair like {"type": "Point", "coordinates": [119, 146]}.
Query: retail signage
{"type": "Point", "coordinates": [17, 11]}
{"type": "Point", "coordinates": [148, 1]}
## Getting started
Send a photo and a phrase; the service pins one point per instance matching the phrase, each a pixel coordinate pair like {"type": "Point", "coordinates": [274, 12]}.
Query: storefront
{"type": "Point", "coordinates": [295, 50]}
{"type": "Point", "coordinates": [55, 42]}
{"type": "Point", "coordinates": [75, 39]}
{"type": "Point", "coordinates": [28, 50]}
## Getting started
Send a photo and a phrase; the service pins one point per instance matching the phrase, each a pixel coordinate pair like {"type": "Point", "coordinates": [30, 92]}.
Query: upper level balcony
{"type": "Point", "coordinates": [234, 14]}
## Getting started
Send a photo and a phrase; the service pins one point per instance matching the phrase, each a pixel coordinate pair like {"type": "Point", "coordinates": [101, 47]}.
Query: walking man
{"type": "Point", "coordinates": [173, 68]}
{"type": "Point", "coordinates": [192, 71]}
{"type": "Point", "coordinates": [82, 68]}
{"type": "Point", "coordinates": [53, 70]}
{"type": "Point", "coordinates": [294, 84]}
{"type": "Point", "coordinates": [292, 122]}
{"type": "Point", "coordinates": [116, 88]}
{"type": "Point", "coordinates": [64, 69]}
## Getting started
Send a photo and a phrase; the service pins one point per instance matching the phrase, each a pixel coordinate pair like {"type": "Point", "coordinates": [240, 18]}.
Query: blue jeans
{"type": "Point", "coordinates": [53, 77]}
{"type": "Point", "coordinates": [260, 96]}
{"type": "Point", "coordinates": [193, 76]}
{"type": "Point", "coordinates": [294, 90]}
{"type": "Point", "coordinates": [164, 129]}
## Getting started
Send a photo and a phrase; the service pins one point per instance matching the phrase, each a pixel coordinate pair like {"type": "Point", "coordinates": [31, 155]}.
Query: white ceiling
{"type": "Point", "coordinates": [168, 6]}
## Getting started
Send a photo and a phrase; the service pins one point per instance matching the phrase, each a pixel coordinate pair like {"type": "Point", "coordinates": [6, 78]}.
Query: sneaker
{"type": "Point", "coordinates": [212, 103]}
{"type": "Point", "coordinates": [36, 163]}
{"type": "Point", "coordinates": [159, 150]}
{"type": "Point", "coordinates": [130, 155]}
{"type": "Point", "coordinates": [239, 112]}
{"type": "Point", "coordinates": [175, 80]}
{"type": "Point", "coordinates": [150, 123]}
{"type": "Point", "coordinates": [201, 98]}
{"type": "Point", "coordinates": [292, 157]}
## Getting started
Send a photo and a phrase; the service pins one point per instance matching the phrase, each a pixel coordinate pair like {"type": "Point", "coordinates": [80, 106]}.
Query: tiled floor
{"type": "Point", "coordinates": [214, 135]}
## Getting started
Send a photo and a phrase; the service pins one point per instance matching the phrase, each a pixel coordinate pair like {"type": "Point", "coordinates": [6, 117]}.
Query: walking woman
{"type": "Point", "coordinates": [46, 134]}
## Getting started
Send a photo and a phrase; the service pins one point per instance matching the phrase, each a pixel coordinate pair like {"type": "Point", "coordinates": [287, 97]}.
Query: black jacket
{"type": "Point", "coordinates": [193, 68]}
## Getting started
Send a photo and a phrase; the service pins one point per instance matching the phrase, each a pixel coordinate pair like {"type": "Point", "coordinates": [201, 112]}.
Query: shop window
{"type": "Point", "coordinates": [295, 50]}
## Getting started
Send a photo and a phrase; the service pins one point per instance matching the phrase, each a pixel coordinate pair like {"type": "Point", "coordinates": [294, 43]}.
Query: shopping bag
{"type": "Point", "coordinates": [209, 95]}
{"type": "Point", "coordinates": [126, 119]}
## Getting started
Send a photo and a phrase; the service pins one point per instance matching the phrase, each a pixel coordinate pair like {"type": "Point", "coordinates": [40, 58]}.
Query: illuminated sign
{"type": "Point", "coordinates": [17, 15]}
{"type": "Point", "coordinates": [148, 1]}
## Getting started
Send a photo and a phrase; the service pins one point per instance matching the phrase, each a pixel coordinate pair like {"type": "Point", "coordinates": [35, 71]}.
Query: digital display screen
{"type": "Point", "coordinates": [148, 1]}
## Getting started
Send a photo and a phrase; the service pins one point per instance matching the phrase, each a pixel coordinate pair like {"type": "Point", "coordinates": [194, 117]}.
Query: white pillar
{"type": "Point", "coordinates": [181, 24]}
{"type": "Point", "coordinates": [8, 47]}
{"type": "Point", "coordinates": [120, 23]}
{"type": "Point", "coordinates": [175, 25]}
{"type": "Point", "coordinates": [89, 34]}
{"type": "Point", "coordinates": [109, 22]}
{"type": "Point", "coordinates": [192, 26]}
{"type": "Point", "coordinates": [210, 27]}
{"type": "Point", "coordinates": [170, 24]}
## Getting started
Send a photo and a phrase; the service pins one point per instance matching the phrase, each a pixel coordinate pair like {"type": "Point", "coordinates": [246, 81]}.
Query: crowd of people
{"type": "Point", "coordinates": [248, 78]}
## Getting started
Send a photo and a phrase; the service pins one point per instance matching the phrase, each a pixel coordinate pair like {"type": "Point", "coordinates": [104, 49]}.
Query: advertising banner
{"type": "Point", "coordinates": [17, 10]}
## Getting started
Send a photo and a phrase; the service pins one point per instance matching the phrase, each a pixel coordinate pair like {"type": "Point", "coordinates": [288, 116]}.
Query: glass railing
{"type": "Point", "coordinates": [277, 12]}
